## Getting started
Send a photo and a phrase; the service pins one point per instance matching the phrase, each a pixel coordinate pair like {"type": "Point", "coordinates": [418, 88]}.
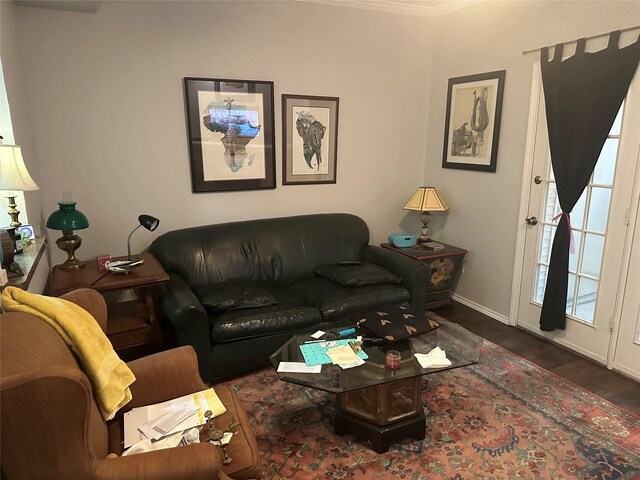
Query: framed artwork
{"type": "Point", "coordinates": [472, 126]}
{"type": "Point", "coordinates": [310, 139]}
{"type": "Point", "coordinates": [231, 134]}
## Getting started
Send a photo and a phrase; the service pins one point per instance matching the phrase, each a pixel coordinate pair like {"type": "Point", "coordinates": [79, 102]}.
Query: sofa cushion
{"type": "Point", "coordinates": [234, 294]}
{"type": "Point", "coordinates": [395, 322]}
{"type": "Point", "coordinates": [335, 301]}
{"type": "Point", "coordinates": [290, 313]}
{"type": "Point", "coordinates": [357, 275]}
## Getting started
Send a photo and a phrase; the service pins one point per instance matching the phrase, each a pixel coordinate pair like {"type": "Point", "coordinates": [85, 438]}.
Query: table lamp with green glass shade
{"type": "Point", "coordinates": [68, 219]}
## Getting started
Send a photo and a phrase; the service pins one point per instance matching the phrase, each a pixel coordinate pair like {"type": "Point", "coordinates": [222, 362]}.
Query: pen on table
{"type": "Point", "coordinates": [315, 341]}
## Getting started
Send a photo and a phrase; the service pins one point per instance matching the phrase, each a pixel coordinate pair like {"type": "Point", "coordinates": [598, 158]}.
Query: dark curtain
{"type": "Point", "coordinates": [582, 96]}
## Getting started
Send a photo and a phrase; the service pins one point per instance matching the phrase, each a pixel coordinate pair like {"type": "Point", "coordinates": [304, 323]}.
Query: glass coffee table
{"type": "Point", "coordinates": [375, 403]}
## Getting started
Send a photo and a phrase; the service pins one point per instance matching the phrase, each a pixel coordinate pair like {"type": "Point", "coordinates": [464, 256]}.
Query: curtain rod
{"type": "Point", "coordinates": [524, 52]}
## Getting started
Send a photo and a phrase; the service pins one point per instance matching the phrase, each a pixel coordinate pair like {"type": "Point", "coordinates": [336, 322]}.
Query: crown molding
{"type": "Point", "coordinates": [393, 6]}
{"type": "Point", "coordinates": [80, 6]}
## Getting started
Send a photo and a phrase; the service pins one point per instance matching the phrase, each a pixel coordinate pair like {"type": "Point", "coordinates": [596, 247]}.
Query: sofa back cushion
{"type": "Point", "coordinates": [275, 250]}
{"type": "Point", "coordinates": [357, 275]}
{"type": "Point", "coordinates": [234, 295]}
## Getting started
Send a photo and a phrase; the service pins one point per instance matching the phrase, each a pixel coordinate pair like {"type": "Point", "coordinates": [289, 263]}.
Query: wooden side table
{"type": "Point", "coordinates": [444, 265]}
{"type": "Point", "coordinates": [131, 324]}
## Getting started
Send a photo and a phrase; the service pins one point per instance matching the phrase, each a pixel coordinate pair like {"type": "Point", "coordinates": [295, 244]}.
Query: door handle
{"type": "Point", "coordinates": [537, 179]}
{"type": "Point", "coordinates": [531, 220]}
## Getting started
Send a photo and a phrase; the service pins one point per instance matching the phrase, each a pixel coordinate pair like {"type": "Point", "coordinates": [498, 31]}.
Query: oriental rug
{"type": "Point", "coordinates": [504, 418]}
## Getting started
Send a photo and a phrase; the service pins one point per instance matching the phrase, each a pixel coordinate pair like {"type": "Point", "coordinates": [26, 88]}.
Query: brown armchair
{"type": "Point", "coordinates": [51, 426]}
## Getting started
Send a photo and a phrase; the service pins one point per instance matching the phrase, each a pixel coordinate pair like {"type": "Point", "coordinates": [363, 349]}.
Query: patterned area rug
{"type": "Point", "coordinates": [504, 418]}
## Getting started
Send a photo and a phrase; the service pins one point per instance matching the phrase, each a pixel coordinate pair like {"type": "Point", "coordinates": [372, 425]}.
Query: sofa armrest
{"type": "Point", "coordinates": [163, 376]}
{"type": "Point", "coordinates": [414, 273]}
{"type": "Point", "coordinates": [187, 315]}
{"type": "Point", "coordinates": [195, 462]}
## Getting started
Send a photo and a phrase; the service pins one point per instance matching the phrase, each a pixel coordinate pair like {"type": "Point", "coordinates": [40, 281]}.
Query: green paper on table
{"type": "Point", "coordinates": [316, 353]}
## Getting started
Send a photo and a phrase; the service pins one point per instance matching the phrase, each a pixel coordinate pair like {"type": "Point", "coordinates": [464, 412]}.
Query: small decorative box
{"type": "Point", "coordinates": [102, 259]}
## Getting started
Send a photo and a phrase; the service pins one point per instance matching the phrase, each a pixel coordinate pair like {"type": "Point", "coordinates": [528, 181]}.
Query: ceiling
{"type": "Point", "coordinates": [426, 8]}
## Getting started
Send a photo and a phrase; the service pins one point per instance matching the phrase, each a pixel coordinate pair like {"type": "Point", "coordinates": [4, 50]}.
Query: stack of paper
{"type": "Point", "coordinates": [156, 421]}
{"type": "Point", "coordinates": [436, 358]}
{"type": "Point", "coordinates": [344, 356]}
{"type": "Point", "coordinates": [165, 423]}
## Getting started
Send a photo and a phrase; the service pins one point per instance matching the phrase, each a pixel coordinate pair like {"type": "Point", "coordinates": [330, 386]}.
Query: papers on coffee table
{"type": "Point", "coordinates": [298, 367]}
{"type": "Point", "coordinates": [342, 355]}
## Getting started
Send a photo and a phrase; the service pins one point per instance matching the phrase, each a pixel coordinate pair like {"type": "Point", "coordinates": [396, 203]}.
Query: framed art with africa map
{"type": "Point", "coordinates": [230, 134]}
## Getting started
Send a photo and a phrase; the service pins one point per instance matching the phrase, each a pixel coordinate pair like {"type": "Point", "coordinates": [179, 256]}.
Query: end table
{"type": "Point", "coordinates": [132, 325]}
{"type": "Point", "coordinates": [444, 264]}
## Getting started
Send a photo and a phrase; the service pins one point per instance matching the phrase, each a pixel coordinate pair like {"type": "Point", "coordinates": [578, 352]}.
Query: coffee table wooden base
{"type": "Point", "coordinates": [380, 437]}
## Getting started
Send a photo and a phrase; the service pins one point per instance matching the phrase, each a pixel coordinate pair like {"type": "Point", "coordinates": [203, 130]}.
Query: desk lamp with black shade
{"type": "Point", "coordinates": [146, 221]}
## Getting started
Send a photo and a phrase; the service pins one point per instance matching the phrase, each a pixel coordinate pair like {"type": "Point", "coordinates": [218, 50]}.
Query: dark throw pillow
{"type": "Point", "coordinates": [234, 295]}
{"type": "Point", "coordinates": [395, 322]}
{"type": "Point", "coordinates": [357, 275]}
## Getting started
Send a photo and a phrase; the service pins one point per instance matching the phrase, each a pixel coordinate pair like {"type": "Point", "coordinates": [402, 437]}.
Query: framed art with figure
{"type": "Point", "coordinates": [230, 133]}
{"type": "Point", "coordinates": [310, 139]}
{"type": "Point", "coordinates": [472, 126]}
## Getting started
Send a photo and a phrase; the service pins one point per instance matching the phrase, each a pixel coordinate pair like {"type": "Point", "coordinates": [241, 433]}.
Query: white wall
{"type": "Point", "coordinates": [490, 36]}
{"type": "Point", "coordinates": [106, 92]}
{"type": "Point", "coordinates": [20, 121]}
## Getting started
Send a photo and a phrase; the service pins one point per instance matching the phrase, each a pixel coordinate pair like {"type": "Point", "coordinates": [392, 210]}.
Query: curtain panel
{"type": "Point", "coordinates": [583, 95]}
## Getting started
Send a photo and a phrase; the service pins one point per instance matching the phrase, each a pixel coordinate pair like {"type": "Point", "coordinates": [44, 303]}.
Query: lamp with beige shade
{"type": "Point", "coordinates": [426, 200]}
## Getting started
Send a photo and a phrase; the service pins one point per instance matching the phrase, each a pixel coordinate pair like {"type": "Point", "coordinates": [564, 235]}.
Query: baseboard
{"type": "Point", "coordinates": [629, 372]}
{"type": "Point", "coordinates": [479, 308]}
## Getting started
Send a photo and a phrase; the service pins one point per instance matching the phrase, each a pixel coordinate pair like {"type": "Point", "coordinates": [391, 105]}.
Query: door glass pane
{"type": "Point", "coordinates": [540, 283]}
{"type": "Point", "coordinates": [571, 293]}
{"type": "Point", "coordinates": [553, 204]}
{"type": "Point", "coordinates": [573, 257]}
{"type": "Point", "coordinates": [577, 214]}
{"type": "Point", "coordinates": [592, 255]}
{"type": "Point", "coordinates": [598, 209]}
{"type": "Point", "coordinates": [548, 233]}
{"type": "Point", "coordinates": [617, 123]}
{"type": "Point", "coordinates": [586, 300]}
{"type": "Point", "coordinates": [603, 173]}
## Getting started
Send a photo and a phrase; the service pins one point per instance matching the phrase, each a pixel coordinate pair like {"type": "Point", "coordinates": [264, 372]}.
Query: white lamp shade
{"type": "Point", "coordinates": [13, 172]}
{"type": "Point", "coordinates": [426, 199]}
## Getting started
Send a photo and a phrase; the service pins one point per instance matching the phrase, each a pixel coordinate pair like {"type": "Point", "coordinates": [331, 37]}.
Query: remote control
{"type": "Point", "coordinates": [349, 262]}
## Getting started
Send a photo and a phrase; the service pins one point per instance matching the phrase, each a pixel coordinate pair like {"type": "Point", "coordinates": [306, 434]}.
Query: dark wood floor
{"type": "Point", "coordinates": [594, 377]}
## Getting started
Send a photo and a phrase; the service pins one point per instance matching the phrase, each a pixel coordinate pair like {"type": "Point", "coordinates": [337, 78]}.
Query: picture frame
{"type": "Point", "coordinates": [26, 232]}
{"type": "Point", "coordinates": [230, 128]}
{"type": "Point", "coordinates": [472, 125]}
{"type": "Point", "coordinates": [309, 139]}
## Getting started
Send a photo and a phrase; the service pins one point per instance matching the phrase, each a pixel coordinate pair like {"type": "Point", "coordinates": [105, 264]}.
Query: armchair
{"type": "Point", "coordinates": [51, 425]}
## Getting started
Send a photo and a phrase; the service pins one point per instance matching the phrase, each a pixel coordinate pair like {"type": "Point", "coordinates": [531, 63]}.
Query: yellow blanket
{"type": "Point", "coordinates": [109, 376]}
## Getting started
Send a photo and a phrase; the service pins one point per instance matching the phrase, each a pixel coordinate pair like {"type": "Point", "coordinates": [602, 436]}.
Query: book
{"type": "Point", "coordinates": [434, 246]}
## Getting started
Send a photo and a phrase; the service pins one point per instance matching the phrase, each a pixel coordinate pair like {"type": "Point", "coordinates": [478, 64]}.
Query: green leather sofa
{"type": "Point", "coordinates": [238, 291]}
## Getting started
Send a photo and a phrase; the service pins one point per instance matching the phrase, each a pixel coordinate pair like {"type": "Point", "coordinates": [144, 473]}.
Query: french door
{"type": "Point", "coordinates": [600, 221]}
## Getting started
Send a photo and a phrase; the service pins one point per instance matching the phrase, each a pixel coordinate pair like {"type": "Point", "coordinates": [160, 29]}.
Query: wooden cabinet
{"type": "Point", "coordinates": [132, 326]}
{"type": "Point", "coordinates": [444, 265]}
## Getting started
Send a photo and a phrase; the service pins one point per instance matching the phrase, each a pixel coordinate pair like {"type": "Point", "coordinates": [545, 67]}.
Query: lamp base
{"type": "Point", "coordinates": [424, 231]}
{"type": "Point", "coordinates": [69, 243]}
{"type": "Point", "coordinates": [13, 212]}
